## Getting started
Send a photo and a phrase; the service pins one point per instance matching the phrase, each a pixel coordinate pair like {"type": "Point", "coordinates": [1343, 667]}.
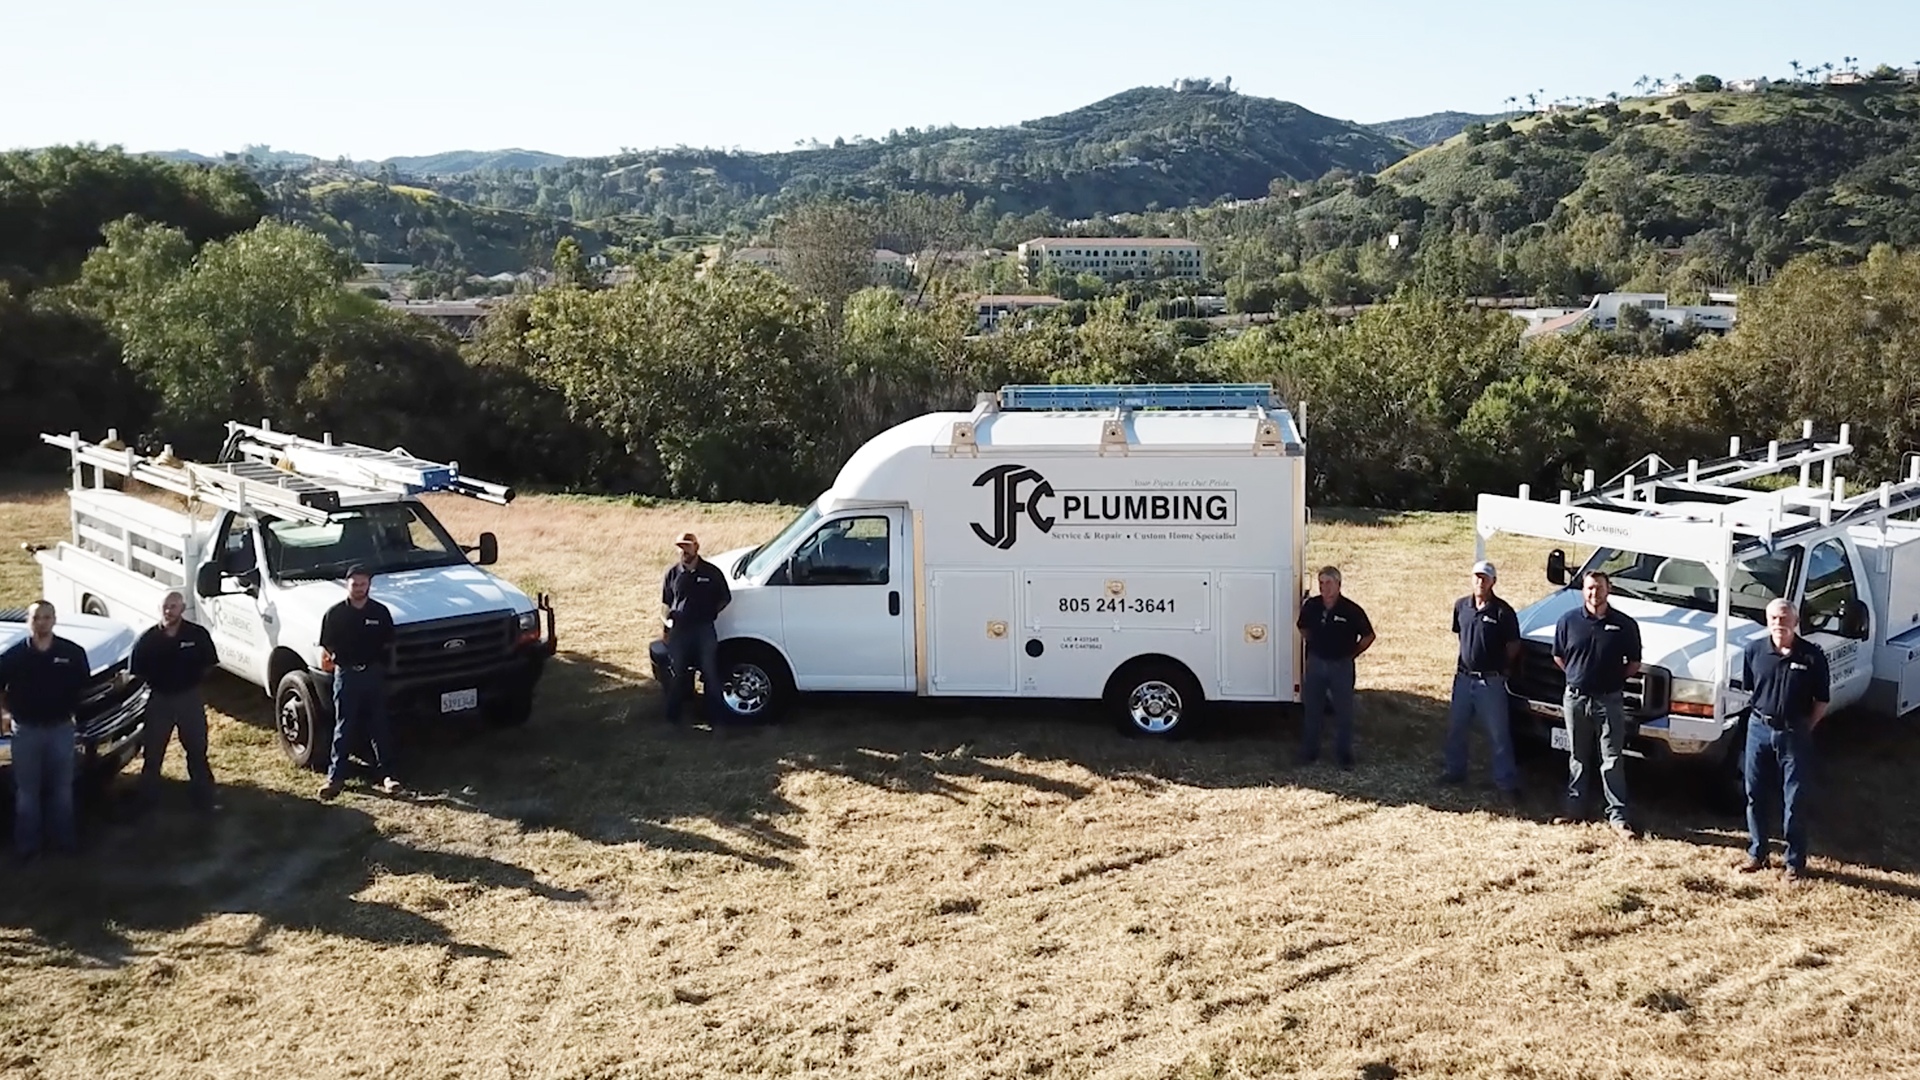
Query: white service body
{"type": "Point", "coordinates": [1034, 553]}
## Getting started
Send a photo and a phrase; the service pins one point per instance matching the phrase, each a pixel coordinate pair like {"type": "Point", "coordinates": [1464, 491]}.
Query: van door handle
{"type": "Point", "coordinates": [893, 602]}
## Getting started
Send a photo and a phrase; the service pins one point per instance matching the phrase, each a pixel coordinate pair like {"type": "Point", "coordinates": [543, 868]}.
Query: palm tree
{"type": "Point", "coordinates": [1641, 83]}
{"type": "Point", "coordinates": [1795, 65]}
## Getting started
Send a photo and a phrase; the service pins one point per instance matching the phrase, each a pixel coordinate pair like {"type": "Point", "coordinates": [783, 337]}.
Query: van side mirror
{"type": "Point", "coordinates": [1557, 567]}
{"type": "Point", "coordinates": [488, 550]}
{"type": "Point", "coordinates": [206, 581]}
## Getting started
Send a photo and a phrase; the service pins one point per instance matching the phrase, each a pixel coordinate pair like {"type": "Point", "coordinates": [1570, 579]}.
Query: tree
{"type": "Point", "coordinates": [570, 270]}
{"type": "Point", "coordinates": [826, 250]}
{"type": "Point", "coordinates": [1707, 84]}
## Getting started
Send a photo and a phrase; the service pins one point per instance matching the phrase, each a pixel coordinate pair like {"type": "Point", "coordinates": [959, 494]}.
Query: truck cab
{"type": "Point", "coordinates": [1695, 557]}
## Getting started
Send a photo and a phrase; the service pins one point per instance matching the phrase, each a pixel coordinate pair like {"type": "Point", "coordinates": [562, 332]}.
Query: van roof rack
{"type": "Point", "coordinates": [1042, 397]}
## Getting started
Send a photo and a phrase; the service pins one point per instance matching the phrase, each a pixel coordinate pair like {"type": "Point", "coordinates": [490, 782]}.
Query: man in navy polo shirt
{"type": "Point", "coordinates": [1788, 677]}
{"type": "Point", "coordinates": [1489, 644]}
{"type": "Point", "coordinates": [1337, 632]}
{"type": "Point", "coordinates": [41, 680]}
{"type": "Point", "coordinates": [1599, 649]}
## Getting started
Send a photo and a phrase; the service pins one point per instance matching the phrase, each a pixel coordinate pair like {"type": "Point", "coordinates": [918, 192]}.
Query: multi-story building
{"type": "Point", "coordinates": [1111, 257]}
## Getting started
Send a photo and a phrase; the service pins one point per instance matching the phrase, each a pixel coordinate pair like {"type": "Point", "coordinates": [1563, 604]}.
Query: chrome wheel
{"type": "Point", "coordinates": [296, 727]}
{"type": "Point", "coordinates": [749, 689]}
{"type": "Point", "coordinates": [1155, 707]}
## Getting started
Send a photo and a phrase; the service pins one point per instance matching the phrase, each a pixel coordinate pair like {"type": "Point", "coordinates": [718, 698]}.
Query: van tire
{"type": "Point", "coordinates": [303, 721]}
{"type": "Point", "coordinates": [754, 673]}
{"type": "Point", "coordinates": [1155, 699]}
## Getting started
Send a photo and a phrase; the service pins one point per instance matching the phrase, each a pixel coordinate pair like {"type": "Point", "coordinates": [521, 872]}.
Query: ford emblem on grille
{"type": "Point", "coordinates": [455, 643]}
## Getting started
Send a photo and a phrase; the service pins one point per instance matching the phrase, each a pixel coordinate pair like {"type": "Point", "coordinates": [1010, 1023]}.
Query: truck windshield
{"type": "Point", "coordinates": [1757, 579]}
{"type": "Point", "coordinates": [761, 559]}
{"type": "Point", "coordinates": [383, 537]}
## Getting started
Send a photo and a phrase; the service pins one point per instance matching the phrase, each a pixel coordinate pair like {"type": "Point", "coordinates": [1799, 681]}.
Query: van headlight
{"type": "Point", "coordinates": [1691, 697]}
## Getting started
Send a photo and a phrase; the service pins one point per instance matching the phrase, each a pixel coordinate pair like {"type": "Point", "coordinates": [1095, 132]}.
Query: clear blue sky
{"type": "Point", "coordinates": [400, 77]}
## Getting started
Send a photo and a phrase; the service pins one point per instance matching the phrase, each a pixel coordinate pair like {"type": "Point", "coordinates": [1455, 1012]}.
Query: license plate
{"type": "Point", "coordinates": [1560, 739]}
{"type": "Point", "coordinates": [459, 700]}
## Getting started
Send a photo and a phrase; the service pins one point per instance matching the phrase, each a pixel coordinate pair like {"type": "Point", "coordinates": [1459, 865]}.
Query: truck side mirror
{"type": "Point", "coordinates": [1557, 567]}
{"type": "Point", "coordinates": [206, 581]}
{"type": "Point", "coordinates": [488, 549]}
{"type": "Point", "coordinates": [1853, 619]}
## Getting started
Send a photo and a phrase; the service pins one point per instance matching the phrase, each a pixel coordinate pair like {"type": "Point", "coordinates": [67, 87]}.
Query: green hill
{"type": "Point", "coordinates": [1434, 127]}
{"type": "Point", "coordinates": [1731, 184]}
{"type": "Point", "coordinates": [1141, 148]}
{"type": "Point", "coordinates": [397, 223]}
{"type": "Point", "coordinates": [456, 162]}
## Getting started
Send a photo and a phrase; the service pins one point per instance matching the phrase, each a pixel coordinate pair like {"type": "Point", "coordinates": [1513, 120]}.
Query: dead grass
{"type": "Point", "coordinates": [925, 889]}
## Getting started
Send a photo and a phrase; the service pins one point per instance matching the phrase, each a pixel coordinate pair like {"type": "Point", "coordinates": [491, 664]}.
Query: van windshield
{"type": "Point", "coordinates": [383, 537]}
{"type": "Point", "coordinates": [1757, 579]}
{"type": "Point", "coordinates": [762, 559]}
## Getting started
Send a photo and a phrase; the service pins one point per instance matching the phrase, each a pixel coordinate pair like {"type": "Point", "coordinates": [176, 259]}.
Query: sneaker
{"type": "Point", "coordinates": [329, 791]}
{"type": "Point", "coordinates": [1624, 830]}
{"type": "Point", "coordinates": [1750, 865]}
{"type": "Point", "coordinates": [388, 786]}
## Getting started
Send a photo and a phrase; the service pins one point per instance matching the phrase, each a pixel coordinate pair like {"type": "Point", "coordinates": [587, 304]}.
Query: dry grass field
{"type": "Point", "coordinates": [940, 890]}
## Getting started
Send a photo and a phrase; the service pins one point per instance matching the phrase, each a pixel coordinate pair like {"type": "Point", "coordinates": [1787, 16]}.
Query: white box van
{"type": "Point", "coordinates": [1137, 544]}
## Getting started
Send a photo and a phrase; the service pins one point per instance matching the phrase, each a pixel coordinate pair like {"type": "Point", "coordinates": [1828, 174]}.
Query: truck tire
{"type": "Point", "coordinates": [1155, 699]}
{"type": "Point", "coordinates": [757, 688]}
{"type": "Point", "coordinates": [303, 721]}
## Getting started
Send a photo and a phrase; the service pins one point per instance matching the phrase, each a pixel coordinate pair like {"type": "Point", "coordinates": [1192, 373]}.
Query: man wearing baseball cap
{"type": "Point", "coordinates": [695, 593]}
{"type": "Point", "coordinates": [1489, 646]}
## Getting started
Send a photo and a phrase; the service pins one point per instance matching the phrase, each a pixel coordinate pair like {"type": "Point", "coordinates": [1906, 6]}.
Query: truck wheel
{"type": "Point", "coordinates": [512, 709]}
{"type": "Point", "coordinates": [303, 720]}
{"type": "Point", "coordinates": [756, 683]}
{"type": "Point", "coordinates": [1158, 699]}
{"type": "Point", "coordinates": [94, 606]}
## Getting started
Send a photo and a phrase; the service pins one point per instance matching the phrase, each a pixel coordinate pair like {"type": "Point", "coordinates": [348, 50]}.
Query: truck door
{"type": "Point", "coordinates": [239, 621]}
{"type": "Point", "coordinates": [846, 604]}
{"type": "Point", "coordinates": [1834, 615]}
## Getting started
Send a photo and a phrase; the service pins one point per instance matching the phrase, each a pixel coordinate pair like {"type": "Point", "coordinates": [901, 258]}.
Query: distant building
{"type": "Point", "coordinates": [1111, 257]}
{"type": "Point", "coordinates": [1749, 86]}
{"type": "Point", "coordinates": [1846, 78]}
{"type": "Point", "coordinates": [991, 311]}
{"type": "Point", "coordinates": [463, 317]}
{"type": "Point", "coordinates": [1603, 313]}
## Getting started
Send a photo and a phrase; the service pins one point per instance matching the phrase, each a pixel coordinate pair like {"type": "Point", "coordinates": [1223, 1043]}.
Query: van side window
{"type": "Point", "coordinates": [847, 551]}
{"type": "Point", "coordinates": [1830, 589]}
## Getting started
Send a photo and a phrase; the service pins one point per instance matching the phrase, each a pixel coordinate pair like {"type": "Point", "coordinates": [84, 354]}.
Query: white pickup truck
{"type": "Point", "coordinates": [1695, 554]}
{"type": "Point", "coordinates": [288, 516]}
{"type": "Point", "coordinates": [113, 707]}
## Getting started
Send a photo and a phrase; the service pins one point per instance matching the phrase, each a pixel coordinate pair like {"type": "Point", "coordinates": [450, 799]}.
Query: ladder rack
{"type": "Point", "coordinates": [1083, 398]}
{"type": "Point", "coordinates": [283, 474]}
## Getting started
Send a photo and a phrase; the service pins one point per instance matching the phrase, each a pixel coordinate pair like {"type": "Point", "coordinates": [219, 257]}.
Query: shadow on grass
{"type": "Point", "coordinates": [291, 861]}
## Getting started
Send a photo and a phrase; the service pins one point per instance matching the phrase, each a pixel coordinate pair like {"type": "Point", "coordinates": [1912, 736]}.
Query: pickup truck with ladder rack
{"type": "Point", "coordinates": [289, 515]}
{"type": "Point", "coordinates": [1695, 554]}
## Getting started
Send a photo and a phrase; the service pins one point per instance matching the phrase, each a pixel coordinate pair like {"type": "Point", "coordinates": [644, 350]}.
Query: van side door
{"type": "Point", "coordinates": [846, 603]}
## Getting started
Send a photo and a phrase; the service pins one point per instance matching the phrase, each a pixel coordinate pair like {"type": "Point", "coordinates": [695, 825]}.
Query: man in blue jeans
{"type": "Point", "coordinates": [1489, 633]}
{"type": "Point", "coordinates": [357, 633]}
{"type": "Point", "coordinates": [1790, 683]}
{"type": "Point", "coordinates": [1599, 649]}
{"type": "Point", "coordinates": [1337, 632]}
{"type": "Point", "coordinates": [41, 680]}
{"type": "Point", "coordinates": [695, 592]}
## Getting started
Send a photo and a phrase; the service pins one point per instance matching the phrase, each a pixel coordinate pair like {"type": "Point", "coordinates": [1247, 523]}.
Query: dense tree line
{"type": "Point", "coordinates": [728, 382]}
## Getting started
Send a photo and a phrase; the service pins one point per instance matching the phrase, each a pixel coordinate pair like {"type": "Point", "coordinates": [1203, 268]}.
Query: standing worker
{"type": "Point", "coordinates": [357, 634]}
{"type": "Point", "coordinates": [1489, 634]}
{"type": "Point", "coordinates": [1337, 632]}
{"type": "Point", "coordinates": [695, 592]}
{"type": "Point", "coordinates": [173, 656]}
{"type": "Point", "coordinates": [1599, 649]}
{"type": "Point", "coordinates": [41, 680]}
{"type": "Point", "coordinates": [1789, 678]}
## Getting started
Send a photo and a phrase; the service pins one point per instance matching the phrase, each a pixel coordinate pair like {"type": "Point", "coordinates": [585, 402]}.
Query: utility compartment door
{"type": "Point", "coordinates": [1250, 637]}
{"type": "Point", "coordinates": [971, 632]}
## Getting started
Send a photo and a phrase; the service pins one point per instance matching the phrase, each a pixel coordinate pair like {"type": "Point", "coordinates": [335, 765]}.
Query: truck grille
{"type": "Point", "coordinates": [1540, 679]}
{"type": "Point", "coordinates": [448, 649]}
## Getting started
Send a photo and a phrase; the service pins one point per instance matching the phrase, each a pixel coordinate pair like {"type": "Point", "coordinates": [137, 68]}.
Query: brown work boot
{"type": "Point", "coordinates": [329, 791]}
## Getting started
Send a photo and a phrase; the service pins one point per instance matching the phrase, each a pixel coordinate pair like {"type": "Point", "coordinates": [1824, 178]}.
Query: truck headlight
{"type": "Point", "coordinates": [1691, 697]}
{"type": "Point", "coordinates": [527, 627]}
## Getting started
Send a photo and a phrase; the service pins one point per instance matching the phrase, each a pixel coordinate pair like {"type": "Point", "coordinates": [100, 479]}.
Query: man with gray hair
{"type": "Point", "coordinates": [1788, 678]}
{"type": "Point", "coordinates": [1337, 632]}
{"type": "Point", "coordinates": [41, 680]}
{"type": "Point", "coordinates": [173, 656]}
